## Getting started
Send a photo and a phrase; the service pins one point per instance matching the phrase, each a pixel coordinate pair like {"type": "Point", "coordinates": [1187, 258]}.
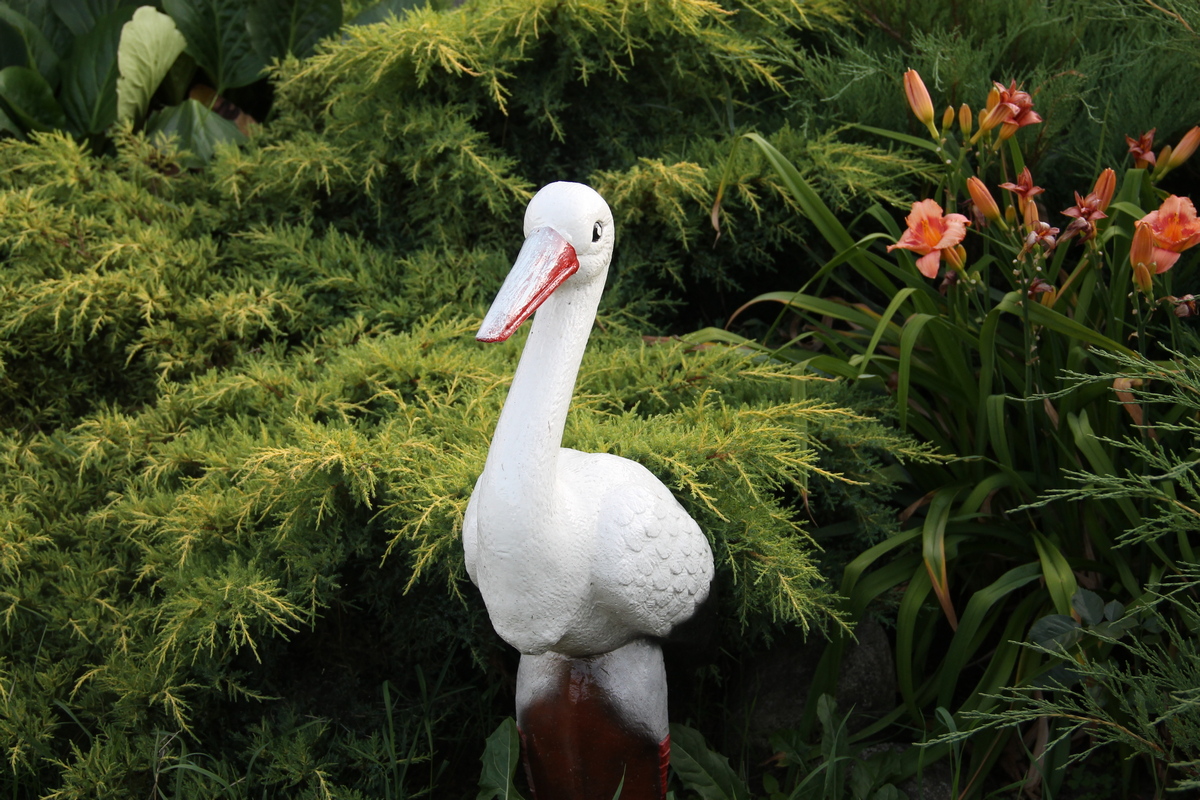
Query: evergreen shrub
{"type": "Point", "coordinates": [243, 410]}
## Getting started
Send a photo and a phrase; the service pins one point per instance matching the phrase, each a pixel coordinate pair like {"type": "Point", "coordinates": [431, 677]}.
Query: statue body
{"type": "Point", "coordinates": [584, 560]}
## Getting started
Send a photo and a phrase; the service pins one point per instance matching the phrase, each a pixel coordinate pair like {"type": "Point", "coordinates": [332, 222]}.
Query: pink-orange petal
{"type": "Point", "coordinates": [1164, 260]}
{"type": "Point", "coordinates": [928, 264]}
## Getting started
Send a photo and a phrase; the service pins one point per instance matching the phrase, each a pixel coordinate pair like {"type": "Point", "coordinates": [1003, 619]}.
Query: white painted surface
{"type": "Point", "coordinates": [574, 553]}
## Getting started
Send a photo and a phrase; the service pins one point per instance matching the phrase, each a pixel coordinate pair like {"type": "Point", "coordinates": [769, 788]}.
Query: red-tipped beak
{"type": "Point", "coordinates": [545, 261]}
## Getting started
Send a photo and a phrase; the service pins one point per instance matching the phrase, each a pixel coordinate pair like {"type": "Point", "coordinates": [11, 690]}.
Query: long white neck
{"type": "Point", "coordinates": [522, 461]}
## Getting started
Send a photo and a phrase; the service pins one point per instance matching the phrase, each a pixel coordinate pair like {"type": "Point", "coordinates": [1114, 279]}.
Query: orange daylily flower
{"type": "Point", "coordinates": [1021, 109]}
{"type": "Point", "coordinates": [1023, 189]}
{"type": "Point", "coordinates": [1142, 149]}
{"type": "Point", "coordinates": [931, 234]}
{"type": "Point", "coordinates": [1091, 208]}
{"type": "Point", "coordinates": [1174, 228]}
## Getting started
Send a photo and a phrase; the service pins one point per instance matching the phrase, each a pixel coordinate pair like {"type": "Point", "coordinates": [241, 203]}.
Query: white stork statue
{"type": "Point", "coordinates": [584, 560]}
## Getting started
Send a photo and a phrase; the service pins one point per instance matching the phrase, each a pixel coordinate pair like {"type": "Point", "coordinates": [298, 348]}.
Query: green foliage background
{"type": "Point", "coordinates": [242, 408]}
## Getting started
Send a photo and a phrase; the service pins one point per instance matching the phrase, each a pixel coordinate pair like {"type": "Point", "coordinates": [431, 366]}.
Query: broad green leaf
{"type": "Point", "coordinates": [500, 756]}
{"type": "Point", "coordinates": [385, 11]}
{"type": "Point", "coordinates": [80, 16]}
{"type": "Point", "coordinates": [219, 40]}
{"type": "Point", "coordinates": [25, 45]}
{"type": "Point", "coordinates": [12, 45]}
{"type": "Point", "coordinates": [149, 44]}
{"type": "Point", "coordinates": [7, 124]}
{"type": "Point", "coordinates": [1056, 632]}
{"type": "Point", "coordinates": [89, 88]}
{"type": "Point", "coordinates": [29, 100]}
{"type": "Point", "coordinates": [195, 128]}
{"type": "Point", "coordinates": [702, 771]}
{"type": "Point", "coordinates": [1089, 606]}
{"type": "Point", "coordinates": [1114, 610]}
{"type": "Point", "coordinates": [281, 27]}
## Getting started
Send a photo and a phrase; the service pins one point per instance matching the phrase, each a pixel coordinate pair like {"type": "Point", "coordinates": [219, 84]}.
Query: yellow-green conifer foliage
{"type": "Point", "coordinates": [242, 410]}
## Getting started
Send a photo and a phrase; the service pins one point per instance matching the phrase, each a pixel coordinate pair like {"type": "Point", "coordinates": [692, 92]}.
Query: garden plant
{"type": "Point", "coordinates": [242, 410]}
{"type": "Point", "coordinates": [999, 333]}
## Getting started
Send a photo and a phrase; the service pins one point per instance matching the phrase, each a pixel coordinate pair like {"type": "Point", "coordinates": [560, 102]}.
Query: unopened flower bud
{"type": "Point", "coordinates": [1141, 257]}
{"type": "Point", "coordinates": [1183, 151]}
{"type": "Point", "coordinates": [947, 118]}
{"type": "Point", "coordinates": [964, 119]}
{"type": "Point", "coordinates": [983, 199]}
{"type": "Point", "coordinates": [1030, 210]}
{"type": "Point", "coordinates": [919, 101]}
{"type": "Point", "coordinates": [1142, 278]}
{"type": "Point", "coordinates": [1106, 184]}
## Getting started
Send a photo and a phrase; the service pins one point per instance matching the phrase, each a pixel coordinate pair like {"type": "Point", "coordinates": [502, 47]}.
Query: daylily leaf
{"type": "Point", "coordinates": [29, 100]}
{"type": "Point", "coordinates": [219, 40]}
{"type": "Point", "coordinates": [89, 90]}
{"type": "Point", "coordinates": [281, 27]}
{"type": "Point", "coordinates": [196, 129]}
{"type": "Point", "coordinates": [149, 44]}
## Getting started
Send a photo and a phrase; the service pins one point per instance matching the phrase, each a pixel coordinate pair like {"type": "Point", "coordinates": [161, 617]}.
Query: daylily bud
{"type": "Point", "coordinates": [1141, 252]}
{"type": "Point", "coordinates": [1031, 213]}
{"type": "Point", "coordinates": [1183, 151]}
{"type": "Point", "coordinates": [1142, 278]}
{"type": "Point", "coordinates": [1010, 215]}
{"type": "Point", "coordinates": [964, 119]}
{"type": "Point", "coordinates": [957, 256]}
{"type": "Point", "coordinates": [918, 100]}
{"type": "Point", "coordinates": [947, 118]}
{"type": "Point", "coordinates": [993, 117]}
{"type": "Point", "coordinates": [993, 99]}
{"type": "Point", "coordinates": [1106, 184]}
{"type": "Point", "coordinates": [983, 199]}
{"type": "Point", "coordinates": [1164, 158]}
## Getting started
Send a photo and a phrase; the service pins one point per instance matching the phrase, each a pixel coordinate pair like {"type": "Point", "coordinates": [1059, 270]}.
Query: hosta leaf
{"type": "Point", "coordinates": [280, 27]}
{"type": "Point", "coordinates": [219, 40]}
{"type": "Point", "coordinates": [196, 129]}
{"type": "Point", "coordinates": [25, 45]}
{"type": "Point", "coordinates": [80, 16]}
{"type": "Point", "coordinates": [149, 44]}
{"type": "Point", "coordinates": [385, 10]}
{"type": "Point", "coordinates": [29, 100]}
{"type": "Point", "coordinates": [7, 124]}
{"type": "Point", "coordinates": [89, 87]}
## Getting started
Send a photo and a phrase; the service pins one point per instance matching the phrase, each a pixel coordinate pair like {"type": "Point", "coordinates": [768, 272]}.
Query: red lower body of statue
{"type": "Point", "coordinates": [590, 725]}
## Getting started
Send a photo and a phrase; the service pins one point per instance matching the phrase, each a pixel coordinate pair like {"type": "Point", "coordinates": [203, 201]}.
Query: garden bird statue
{"type": "Point", "coordinates": [584, 560]}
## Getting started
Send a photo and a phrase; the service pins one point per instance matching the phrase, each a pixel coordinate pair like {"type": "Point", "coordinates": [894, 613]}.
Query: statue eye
{"type": "Point", "coordinates": [597, 231]}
